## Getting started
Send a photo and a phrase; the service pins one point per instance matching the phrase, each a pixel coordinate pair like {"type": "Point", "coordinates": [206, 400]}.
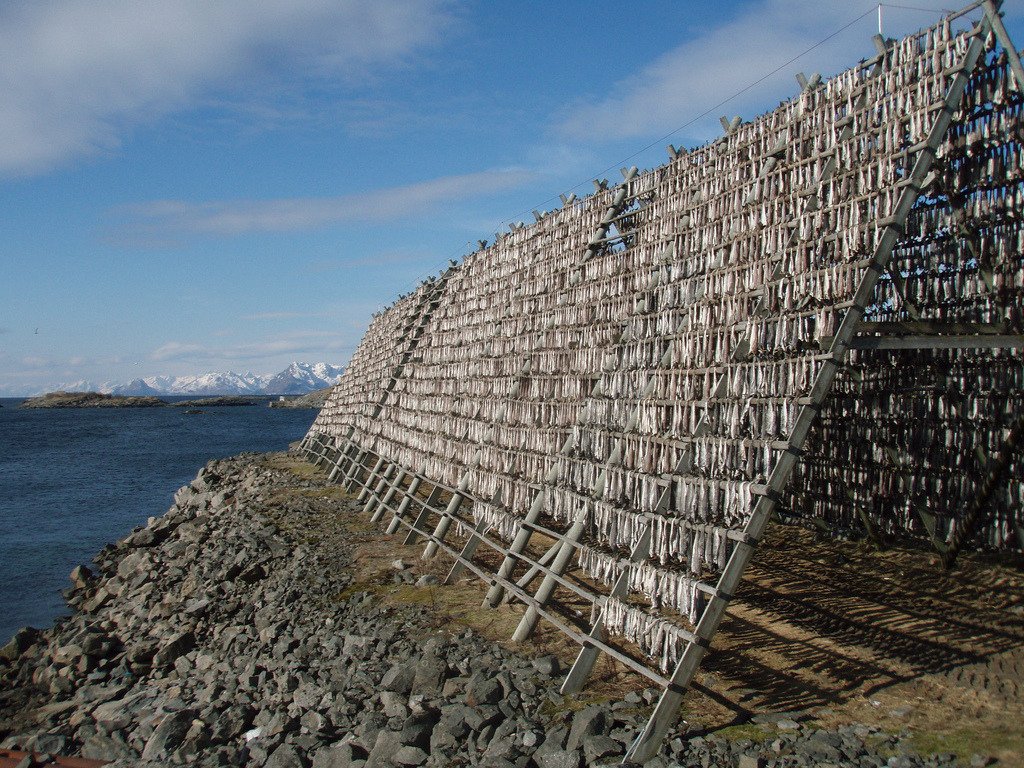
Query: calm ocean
{"type": "Point", "coordinates": [72, 480]}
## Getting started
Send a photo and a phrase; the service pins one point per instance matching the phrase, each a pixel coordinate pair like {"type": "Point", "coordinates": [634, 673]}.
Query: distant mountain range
{"type": "Point", "coordinates": [296, 379]}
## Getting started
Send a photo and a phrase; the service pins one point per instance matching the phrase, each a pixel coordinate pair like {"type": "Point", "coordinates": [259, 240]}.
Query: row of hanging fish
{"type": "Point", "coordinates": [537, 270]}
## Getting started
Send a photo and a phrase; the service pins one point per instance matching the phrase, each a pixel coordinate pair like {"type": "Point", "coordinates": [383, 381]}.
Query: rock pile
{"type": "Point", "coordinates": [228, 632]}
{"type": "Point", "coordinates": [214, 637]}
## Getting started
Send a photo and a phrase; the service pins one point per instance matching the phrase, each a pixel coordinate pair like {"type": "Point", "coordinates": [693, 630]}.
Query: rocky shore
{"type": "Point", "coordinates": [233, 631]}
{"type": "Point", "coordinates": [90, 400]}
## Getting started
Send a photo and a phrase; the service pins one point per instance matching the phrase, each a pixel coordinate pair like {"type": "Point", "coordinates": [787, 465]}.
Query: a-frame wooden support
{"type": "Point", "coordinates": [667, 710]}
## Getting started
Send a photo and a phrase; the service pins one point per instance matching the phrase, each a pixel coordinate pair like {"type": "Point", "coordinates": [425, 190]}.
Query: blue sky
{"type": "Point", "coordinates": [195, 186]}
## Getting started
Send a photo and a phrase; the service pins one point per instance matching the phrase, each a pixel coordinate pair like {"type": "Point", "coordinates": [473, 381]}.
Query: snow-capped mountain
{"type": "Point", "coordinates": [299, 378]}
{"type": "Point", "coordinates": [229, 383]}
{"type": "Point", "coordinates": [296, 379]}
{"type": "Point", "coordinates": [133, 387]}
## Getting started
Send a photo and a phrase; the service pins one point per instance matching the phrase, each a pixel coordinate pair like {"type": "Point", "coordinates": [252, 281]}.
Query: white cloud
{"type": "Point", "coordinates": [174, 350]}
{"type": "Point", "coordinates": [301, 342]}
{"type": "Point", "coordinates": [158, 219]}
{"type": "Point", "coordinates": [706, 70]}
{"type": "Point", "coordinates": [383, 259]}
{"type": "Point", "coordinates": [78, 74]}
{"type": "Point", "coordinates": [279, 316]}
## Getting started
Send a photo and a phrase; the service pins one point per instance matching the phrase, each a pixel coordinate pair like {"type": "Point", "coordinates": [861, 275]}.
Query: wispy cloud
{"type": "Point", "coordinates": [279, 316]}
{"type": "Point", "coordinates": [175, 350]}
{"type": "Point", "coordinates": [163, 218]}
{"type": "Point", "coordinates": [382, 259]}
{"type": "Point", "coordinates": [78, 74]}
{"type": "Point", "coordinates": [737, 58]}
{"type": "Point", "coordinates": [318, 342]}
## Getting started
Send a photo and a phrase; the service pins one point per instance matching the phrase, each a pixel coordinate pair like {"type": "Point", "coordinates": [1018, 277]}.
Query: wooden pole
{"type": "Point", "coordinates": [547, 586]}
{"type": "Point", "coordinates": [446, 517]}
{"type": "Point", "coordinates": [374, 498]}
{"type": "Point", "coordinates": [421, 518]}
{"type": "Point", "coordinates": [519, 544]}
{"type": "Point", "coordinates": [410, 494]}
{"type": "Point", "coordinates": [368, 483]}
{"type": "Point", "coordinates": [394, 489]}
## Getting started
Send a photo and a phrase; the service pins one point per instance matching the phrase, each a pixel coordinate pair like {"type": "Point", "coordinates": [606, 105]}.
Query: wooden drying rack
{"type": "Point", "coordinates": [426, 509]}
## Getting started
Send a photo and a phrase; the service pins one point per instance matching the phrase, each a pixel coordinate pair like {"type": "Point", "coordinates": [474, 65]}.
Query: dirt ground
{"type": "Point", "coordinates": [830, 631]}
{"type": "Point", "coordinates": [854, 634]}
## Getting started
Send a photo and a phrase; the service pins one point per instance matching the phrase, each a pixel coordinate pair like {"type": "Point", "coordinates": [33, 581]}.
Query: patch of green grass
{"type": "Point", "coordinates": [329, 491]}
{"type": "Point", "coordinates": [966, 742]}
{"type": "Point", "coordinates": [356, 587]}
{"type": "Point", "coordinates": [551, 710]}
{"type": "Point", "coordinates": [358, 523]}
{"type": "Point", "coordinates": [333, 492]}
{"type": "Point", "coordinates": [878, 742]}
{"type": "Point", "coordinates": [409, 594]}
{"type": "Point", "coordinates": [292, 464]}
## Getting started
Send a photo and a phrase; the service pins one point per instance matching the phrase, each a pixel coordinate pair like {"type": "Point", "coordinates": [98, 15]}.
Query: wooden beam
{"type": "Point", "coordinates": [394, 488]}
{"type": "Point", "coordinates": [339, 456]}
{"type": "Point", "coordinates": [978, 510]}
{"type": "Point", "coordinates": [537, 569]}
{"type": "Point", "coordinates": [547, 586]}
{"type": "Point", "coordinates": [931, 327]}
{"type": "Point", "coordinates": [519, 544]}
{"type": "Point", "coordinates": [353, 471]}
{"type": "Point", "coordinates": [900, 285]}
{"type": "Point", "coordinates": [566, 629]}
{"type": "Point", "coordinates": [466, 555]}
{"type": "Point", "coordinates": [471, 545]}
{"type": "Point", "coordinates": [425, 510]}
{"type": "Point", "coordinates": [410, 494]}
{"type": "Point", "coordinates": [441, 530]}
{"type": "Point", "coordinates": [374, 498]}
{"type": "Point", "coordinates": [378, 466]}
{"type": "Point", "coordinates": [938, 342]}
{"type": "Point", "coordinates": [346, 461]}
{"type": "Point", "coordinates": [995, 19]}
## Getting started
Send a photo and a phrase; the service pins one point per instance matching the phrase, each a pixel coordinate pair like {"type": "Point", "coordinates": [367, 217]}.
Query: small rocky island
{"type": "Point", "coordinates": [218, 402]}
{"type": "Point", "coordinates": [91, 400]}
{"type": "Point", "coordinates": [99, 400]}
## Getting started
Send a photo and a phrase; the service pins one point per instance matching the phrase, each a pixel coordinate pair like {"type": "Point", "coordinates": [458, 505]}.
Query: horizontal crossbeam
{"type": "Point", "coordinates": [993, 341]}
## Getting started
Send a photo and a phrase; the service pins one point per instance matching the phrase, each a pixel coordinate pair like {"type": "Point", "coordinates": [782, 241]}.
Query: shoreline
{"type": "Point", "coordinates": [60, 399]}
{"type": "Point", "coordinates": [263, 622]}
{"type": "Point", "coordinates": [91, 400]}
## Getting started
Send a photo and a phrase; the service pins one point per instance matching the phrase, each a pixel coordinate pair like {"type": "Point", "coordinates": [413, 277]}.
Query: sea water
{"type": "Point", "coordinates": [72, 480]}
